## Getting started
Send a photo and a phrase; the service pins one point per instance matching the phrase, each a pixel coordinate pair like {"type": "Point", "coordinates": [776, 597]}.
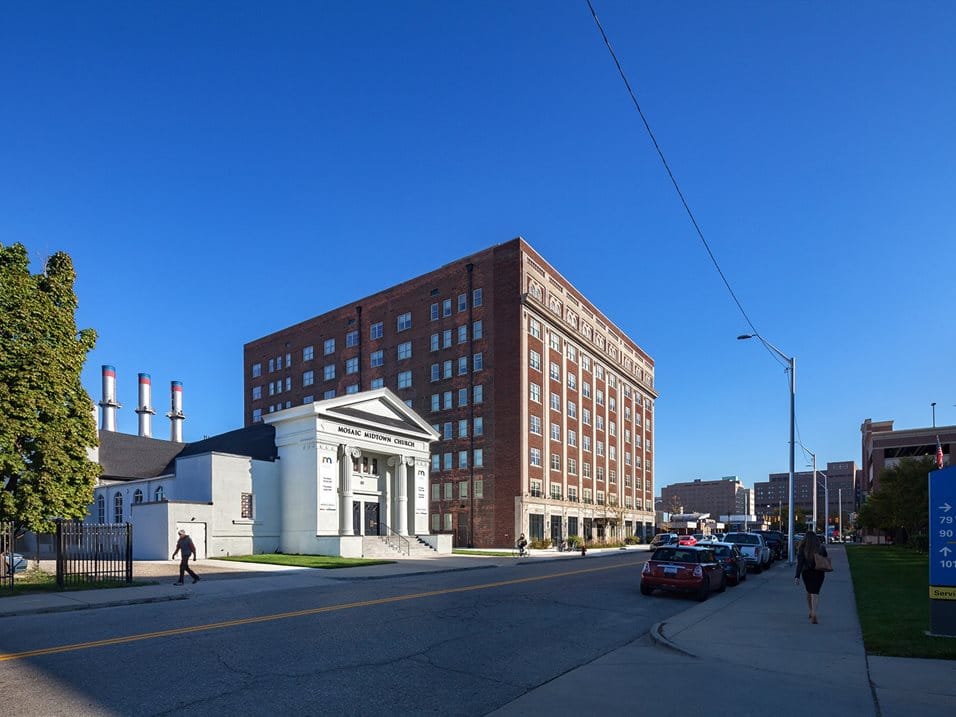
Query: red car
{"type": "Point", "coordinates": [687, 540]}
{"type": "Point", "coordinates": [680, 568]}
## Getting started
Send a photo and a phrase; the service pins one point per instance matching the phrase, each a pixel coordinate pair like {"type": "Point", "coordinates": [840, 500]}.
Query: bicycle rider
{"type": "Point", "coordinates": [522, 545]}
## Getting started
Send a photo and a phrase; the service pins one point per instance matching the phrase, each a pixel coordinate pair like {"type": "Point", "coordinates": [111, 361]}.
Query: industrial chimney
{"type": "Point", "coordinates": [145, 409]}
{"type": "Point", "coordinates": [109, 403]}
{"type": "Point", "coordinates": [175, 415]}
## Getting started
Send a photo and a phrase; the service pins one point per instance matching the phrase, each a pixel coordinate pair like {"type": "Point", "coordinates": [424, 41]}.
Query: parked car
{"type": "Point", "coordinates": [681, 568]}
{"type": "Point", "coordinates": [663, 539]}
{"type": "Point", "coordinates": [731, 560]}
{"type": "Point", "coordinates": [776, 541]}
{"type": "Point", "coordinates": [686, 540]}
{"type": "Point", "coordinates": [14, 563]}
{"type": "Point", "coordinates": [753, 548]}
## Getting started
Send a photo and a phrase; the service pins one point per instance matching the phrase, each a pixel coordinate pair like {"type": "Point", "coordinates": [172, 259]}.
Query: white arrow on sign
{"type": "Point", "coordinates": [945, 550]}
{"type": "Point", "coordinates": [945, 507]}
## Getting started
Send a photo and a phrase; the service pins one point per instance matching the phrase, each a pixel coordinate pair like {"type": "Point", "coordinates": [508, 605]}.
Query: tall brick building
{"type": "Point", "coordinates": [544, 407]}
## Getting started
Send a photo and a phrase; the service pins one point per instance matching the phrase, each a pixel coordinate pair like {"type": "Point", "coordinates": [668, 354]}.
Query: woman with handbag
{"type": "Point", "coordinates": [808, 551]}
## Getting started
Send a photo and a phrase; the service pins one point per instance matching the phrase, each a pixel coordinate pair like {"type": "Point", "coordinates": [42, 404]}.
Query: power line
{"type": "Point", "coordinates": [660, 153]}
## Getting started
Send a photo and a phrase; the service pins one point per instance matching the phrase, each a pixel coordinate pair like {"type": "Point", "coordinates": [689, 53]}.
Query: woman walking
{"type": "Point", "coordinates": [806, 569]}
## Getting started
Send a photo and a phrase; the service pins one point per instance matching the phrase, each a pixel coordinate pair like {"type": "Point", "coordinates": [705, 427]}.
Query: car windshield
{"type": "Point", "coordinates": [675, 555]}
{"type": "Point", "coordinates": [743, 538]}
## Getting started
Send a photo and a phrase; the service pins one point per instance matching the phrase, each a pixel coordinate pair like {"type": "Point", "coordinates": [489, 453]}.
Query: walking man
{"type": "Point", "coordinates": [186, 547]}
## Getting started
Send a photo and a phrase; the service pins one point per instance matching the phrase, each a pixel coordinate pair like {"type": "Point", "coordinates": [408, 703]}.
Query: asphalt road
{"type": "Point", "coordinates": [460, 643]}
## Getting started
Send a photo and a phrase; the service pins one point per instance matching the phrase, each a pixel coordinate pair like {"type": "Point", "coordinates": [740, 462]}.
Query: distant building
{"type": "Point", "coordinates": [771, 498]}
{"type": "Point", "coordinates": [726, 496]}
{"type": "Point", "coordinates": [884, 447]}
{"type": "Point", "coordinates": [544, 408]}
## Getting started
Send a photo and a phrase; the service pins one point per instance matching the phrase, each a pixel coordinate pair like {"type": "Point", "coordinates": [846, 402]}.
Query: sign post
{"type": "Point", "coordinates": [942, 552]}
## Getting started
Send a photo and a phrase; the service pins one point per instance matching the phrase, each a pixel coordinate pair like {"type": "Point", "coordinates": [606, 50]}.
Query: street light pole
{"type": "Point", "coordinates": [813, 456]}
{"type": "Point", "coordinates": [840, 501]}
{"type": "Point", "coordinates": [792, 368]}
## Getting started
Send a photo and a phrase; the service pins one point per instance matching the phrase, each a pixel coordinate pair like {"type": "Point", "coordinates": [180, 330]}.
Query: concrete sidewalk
{"type": "Point", "coordinates": [753, 651]}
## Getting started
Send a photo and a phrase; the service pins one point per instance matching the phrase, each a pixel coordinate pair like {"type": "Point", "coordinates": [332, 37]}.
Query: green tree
{"type": "Point", "coordinates": [902, 499]}
{"type": "Point", "coordinates": [46, 416]}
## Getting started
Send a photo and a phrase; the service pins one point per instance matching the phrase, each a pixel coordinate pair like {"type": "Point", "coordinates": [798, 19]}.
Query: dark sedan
{"type": "Point", "coordinates": [732, 561]}
{"type": "Point", "coordinates": [679, 568]}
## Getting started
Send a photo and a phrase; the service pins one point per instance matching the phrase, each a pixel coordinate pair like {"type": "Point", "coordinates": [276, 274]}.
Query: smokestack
{"type": "Point", "coordinates": [145, 410]}
{"type": "Point", "coordinates": [109, 403]}
{"type": "Point", "coordinates": [175, 415]}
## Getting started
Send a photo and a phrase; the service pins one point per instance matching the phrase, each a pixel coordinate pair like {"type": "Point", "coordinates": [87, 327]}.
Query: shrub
{"type": "Point", "coordinates": [541, 544]}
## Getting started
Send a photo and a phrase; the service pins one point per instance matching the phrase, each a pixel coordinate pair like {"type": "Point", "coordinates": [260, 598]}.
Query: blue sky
{"type": "Point", "coordinates": [219, 171]}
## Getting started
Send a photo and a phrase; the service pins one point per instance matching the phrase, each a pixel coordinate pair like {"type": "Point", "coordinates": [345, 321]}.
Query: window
{"type": "Point", "coordinates": [556, 489]}
{"type": "Point", "coordinates": [435, 522]}
{"type": "Point", "coordinates": [477, 330]}
{"type": "Point", "coordinates": [404, 321]}
{"type": "Point", "coordinates": [463, 461]}
{"type": "Point", "coordinates": [376, 330]}
{"type": "Point", "coordinates": [572, 470]}
{"type": "Point", "coordinates": [536, 488]}
{"type": "Point", "coordinates": [586, 390]}
{"type": "Point", "coordinates": [535, 392]}
{"type": "Point", "coordinates": [612, 452]}
{"type": "Point", "coordinates": [611, 403]}
{"type": "Point", "coordinates": [554, 341]}
{"type": "Point", "coordinates": [446, 400]}
{"type": "Point", "coordinates": [586, 470]}
{"type": "Point", "coordinates": [404, 350]}
{"type": "Point", "coordinates": [555, 432]}
{"type": "Point", "coordinates": [272, 365]}
{"type": "Point", "coordinates": [570, 352]}
{"type": "Point", "coordinates": [446, 339]}
{"type": "Point", "coordinates": [598, 371]}
{"type": "Point", "coordinates": [572, 438]}
{"type": "Point", "coordinates": [534, 328]}
{"type": "Point", "coordinates": [351, 365]}
{"type": "Point", "coordinates": [555, 462]}
{"type": "Point", "coordinates": [306, 400]}
{"type": "Point", "coordinates": [377, 383]}
{"type": "Point", "coordinates": [462, 396]}
{"type": "Point", "coordinates": [476, 297]}
{"type": "Point", "coordinates": [446, 431]}
{"type": "Point", "coordinates": [463, 334]}
{"type": "Point", "coordinates": [462, 365]}
{"type": "Point", "coordinates": [462, 302]}
{"type": "Point", "coordinates": [478, 394]}
{"type": "Point", "coordinates": [288, 383]}
{"type": "Point", "coordinates": [256, 393]}
{"type": "Point", "coordinates": [600, 448]}
{"type": "Point", "coordinates": [256, 370]}
{"type": "Point", "coordinates": [307, 353]}
{"type": "Point", "coordinates": [329, 346]}
{"type": "Point", "coordinates": [555, 371]}
{"type": "Point", "coordinates": [245, 506]}
{"type": "Point", "coordinates": [446, 369]}
{"type": "Point", "coordinates": [555, 402]}
{"type": "Point", "coordinates": [446, 307]}
{"type": "Point", "coordinates": [600, 473]}
{"type": "Point", "coordinates": [434, 312]}
{"type": "Point", "coordinates": [308, 378]}
{"type": "Point", "coordinates": [160, 494]}
{"type": "Point", "coordinates": [278, 363]}
{"type": "Point", "coordinates": [586, 442]}
{"type": "Point", "coordinates": [599, 422]}
{"type": "Point", "coordinates": [118, 507]}
{"type": "Point", "coordinates": [599, 398]}
{"type": "Point", "coordinates": [449, 487]}
{"type": "Point", "coordinates": [447, 518]}
{"type": "Point", "coordinates": [478, 361]}
{"type": "Point", "coordinates": [572, 409]}
{"type": "Point", "coordinates": [536, 456]}
{"type": "Point", "coordinates": [587, 495]}
{"type": "Point", "coordinates": [479, 461]}
{"type": "Point", "coordinates": [572, 381]}
{"type": "Point", "coordinates": [436, 402]}
{"type": "Point", "coordinates": [405, 379]}
{"type": "Point", "coordinates": [328, 394]}
{"type": "Point", "coordinates": [446, 464]}
{"type": "Point", "coordinates": [352, 388]}
{"type": "Point", "coordinates": [377, 358]}
{"type": "Point", "coordinates": [573, 497]}
{"type": "Point", "coordinates": [351, 338]}
{"type": "Point", "coordinates": [435, 372]}
{"type": "Point", "coordinates": [101, 507]}
{"type": "Point", "coordinates": [479, 483]}
{"type": "Point", "coordinates": [586, 416]}
{"type": "Point", "coordinates": [535, 360]}
{"type": "Point", "coordinates": [256, 415]}
{"type": "Point", "coordinates": [463, 428]}
{"type": "Point", "coordinates": [479, 427]}
{"type": "Point", "coordinates": [534, 424]}
{"type": "Point", "coordinates": [433, 344]}
{"type": "Point", "coordinates": [585, 362]}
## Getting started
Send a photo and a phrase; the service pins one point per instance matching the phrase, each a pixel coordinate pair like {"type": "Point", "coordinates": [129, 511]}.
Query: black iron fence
{"type": "Point", "coordinates": [7, 555]}
{"type": "Point", "coordinates": [93, 553]}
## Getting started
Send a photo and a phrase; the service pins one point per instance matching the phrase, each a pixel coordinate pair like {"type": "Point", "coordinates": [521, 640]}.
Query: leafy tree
{"type": "Point", "coordinates": [901, 503]}
{"type": "Point", "coordinates": [46, 417]}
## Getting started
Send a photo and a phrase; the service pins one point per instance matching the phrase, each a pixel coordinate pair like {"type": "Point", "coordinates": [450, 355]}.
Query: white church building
{"type": "Point", "coordinates": [335, 477]}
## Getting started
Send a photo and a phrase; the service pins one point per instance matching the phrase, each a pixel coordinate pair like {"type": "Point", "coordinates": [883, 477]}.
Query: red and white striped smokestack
{"type": "Point", "coordinates": [176, 415]}
{"type": "Point", "coordinates": [145, 408]}
{"type": "Point", "coordinates": [109, 403]}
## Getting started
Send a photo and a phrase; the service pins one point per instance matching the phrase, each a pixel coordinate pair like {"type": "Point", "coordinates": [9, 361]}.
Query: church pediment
{"type": "Point", "coordinates": [381, 407]}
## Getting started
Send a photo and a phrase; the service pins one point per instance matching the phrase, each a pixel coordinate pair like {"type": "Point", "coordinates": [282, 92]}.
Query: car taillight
{"type": "Point", "coordinates": [698, 572]}
{"type": "Point", "coordinates": [646, 570]}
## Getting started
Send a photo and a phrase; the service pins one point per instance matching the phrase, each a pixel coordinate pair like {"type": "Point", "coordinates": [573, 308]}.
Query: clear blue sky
{"type": "Point", "coordinates": [219, 171]}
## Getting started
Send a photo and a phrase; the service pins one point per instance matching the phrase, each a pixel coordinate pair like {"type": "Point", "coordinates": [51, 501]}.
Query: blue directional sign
{"type": "Point", "coordinates": [942, 534]}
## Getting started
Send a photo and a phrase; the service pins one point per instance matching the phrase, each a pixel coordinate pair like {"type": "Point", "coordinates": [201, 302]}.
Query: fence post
{"type": "Point", "coordinates": [129, 552]}
{"type": "Point", "coordinates": [60, 557]}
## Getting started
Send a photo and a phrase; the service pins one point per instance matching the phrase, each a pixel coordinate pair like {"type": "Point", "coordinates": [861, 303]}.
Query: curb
{"type": "Point", "coordinates": [657, 635]}
{"type": "Point", "coordinates": [91, 606]}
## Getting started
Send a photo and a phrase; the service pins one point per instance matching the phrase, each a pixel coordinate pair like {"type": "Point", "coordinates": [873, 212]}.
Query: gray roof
{"type": "Point", "coordinates": [127, 457]}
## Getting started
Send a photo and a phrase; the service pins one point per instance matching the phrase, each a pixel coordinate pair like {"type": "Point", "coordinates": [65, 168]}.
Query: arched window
{"type": "Point", "coordinates": [160, 494]}
{"type": "Point", "coordinates": [118, 507]}
{"type": "Point", "coordinates": [138, 496]}
{"type": "Point", "coordinates": [101, 508]}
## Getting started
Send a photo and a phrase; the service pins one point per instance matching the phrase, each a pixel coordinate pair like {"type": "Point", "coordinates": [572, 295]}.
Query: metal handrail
{"type": "Point", "coordinates": [394, 540]}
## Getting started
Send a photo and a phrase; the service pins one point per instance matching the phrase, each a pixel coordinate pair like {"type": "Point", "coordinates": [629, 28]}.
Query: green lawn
{"type": "Point", "coordinates": [892, 600]}
{"type": "Point", "coordinates": [491, 553]}
{"type": "Point", "coordinates": [327, 562]}
{"type": "Point", "coordinates": [37, 581]}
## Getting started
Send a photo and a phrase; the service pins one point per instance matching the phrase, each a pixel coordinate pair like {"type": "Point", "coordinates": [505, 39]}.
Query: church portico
{"type": "Point", "coordinates": [351, 467]}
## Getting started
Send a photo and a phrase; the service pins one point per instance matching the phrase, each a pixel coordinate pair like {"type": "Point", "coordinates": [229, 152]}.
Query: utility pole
{"type": "Point", "coordinates": [814, 457]}
{"type": "Point", "coordinates": [840, 495]}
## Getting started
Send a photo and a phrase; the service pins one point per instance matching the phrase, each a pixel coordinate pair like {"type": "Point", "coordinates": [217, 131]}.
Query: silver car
{"type": "Point", "coordinates": [754, 549]}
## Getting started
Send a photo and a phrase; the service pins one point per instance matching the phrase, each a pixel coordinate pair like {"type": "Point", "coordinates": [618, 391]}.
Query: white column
{"type": "Point", "coordinates": [346, 455]}
{"type": "Point", "coordinates": [401, 467]}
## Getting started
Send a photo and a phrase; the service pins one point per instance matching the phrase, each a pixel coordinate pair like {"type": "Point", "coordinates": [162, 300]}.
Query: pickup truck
{"type": "Point", "coordinates": [753, 547]}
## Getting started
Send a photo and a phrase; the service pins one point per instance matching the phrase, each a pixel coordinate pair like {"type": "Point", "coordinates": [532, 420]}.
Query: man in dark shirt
{"type": "Point", "coordinates": [185, 547]}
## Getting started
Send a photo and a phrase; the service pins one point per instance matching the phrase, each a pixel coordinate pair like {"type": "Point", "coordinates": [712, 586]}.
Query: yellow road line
{"type": "Point", "coordinates": [287, 615]}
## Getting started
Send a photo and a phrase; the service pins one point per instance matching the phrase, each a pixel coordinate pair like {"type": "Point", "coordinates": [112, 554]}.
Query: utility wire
{"type": "Point", "coordinates": [673, 179]}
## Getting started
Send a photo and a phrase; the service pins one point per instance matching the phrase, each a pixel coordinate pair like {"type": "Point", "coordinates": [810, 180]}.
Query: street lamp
{"type": "Point", "coordinates": [792, 367]}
